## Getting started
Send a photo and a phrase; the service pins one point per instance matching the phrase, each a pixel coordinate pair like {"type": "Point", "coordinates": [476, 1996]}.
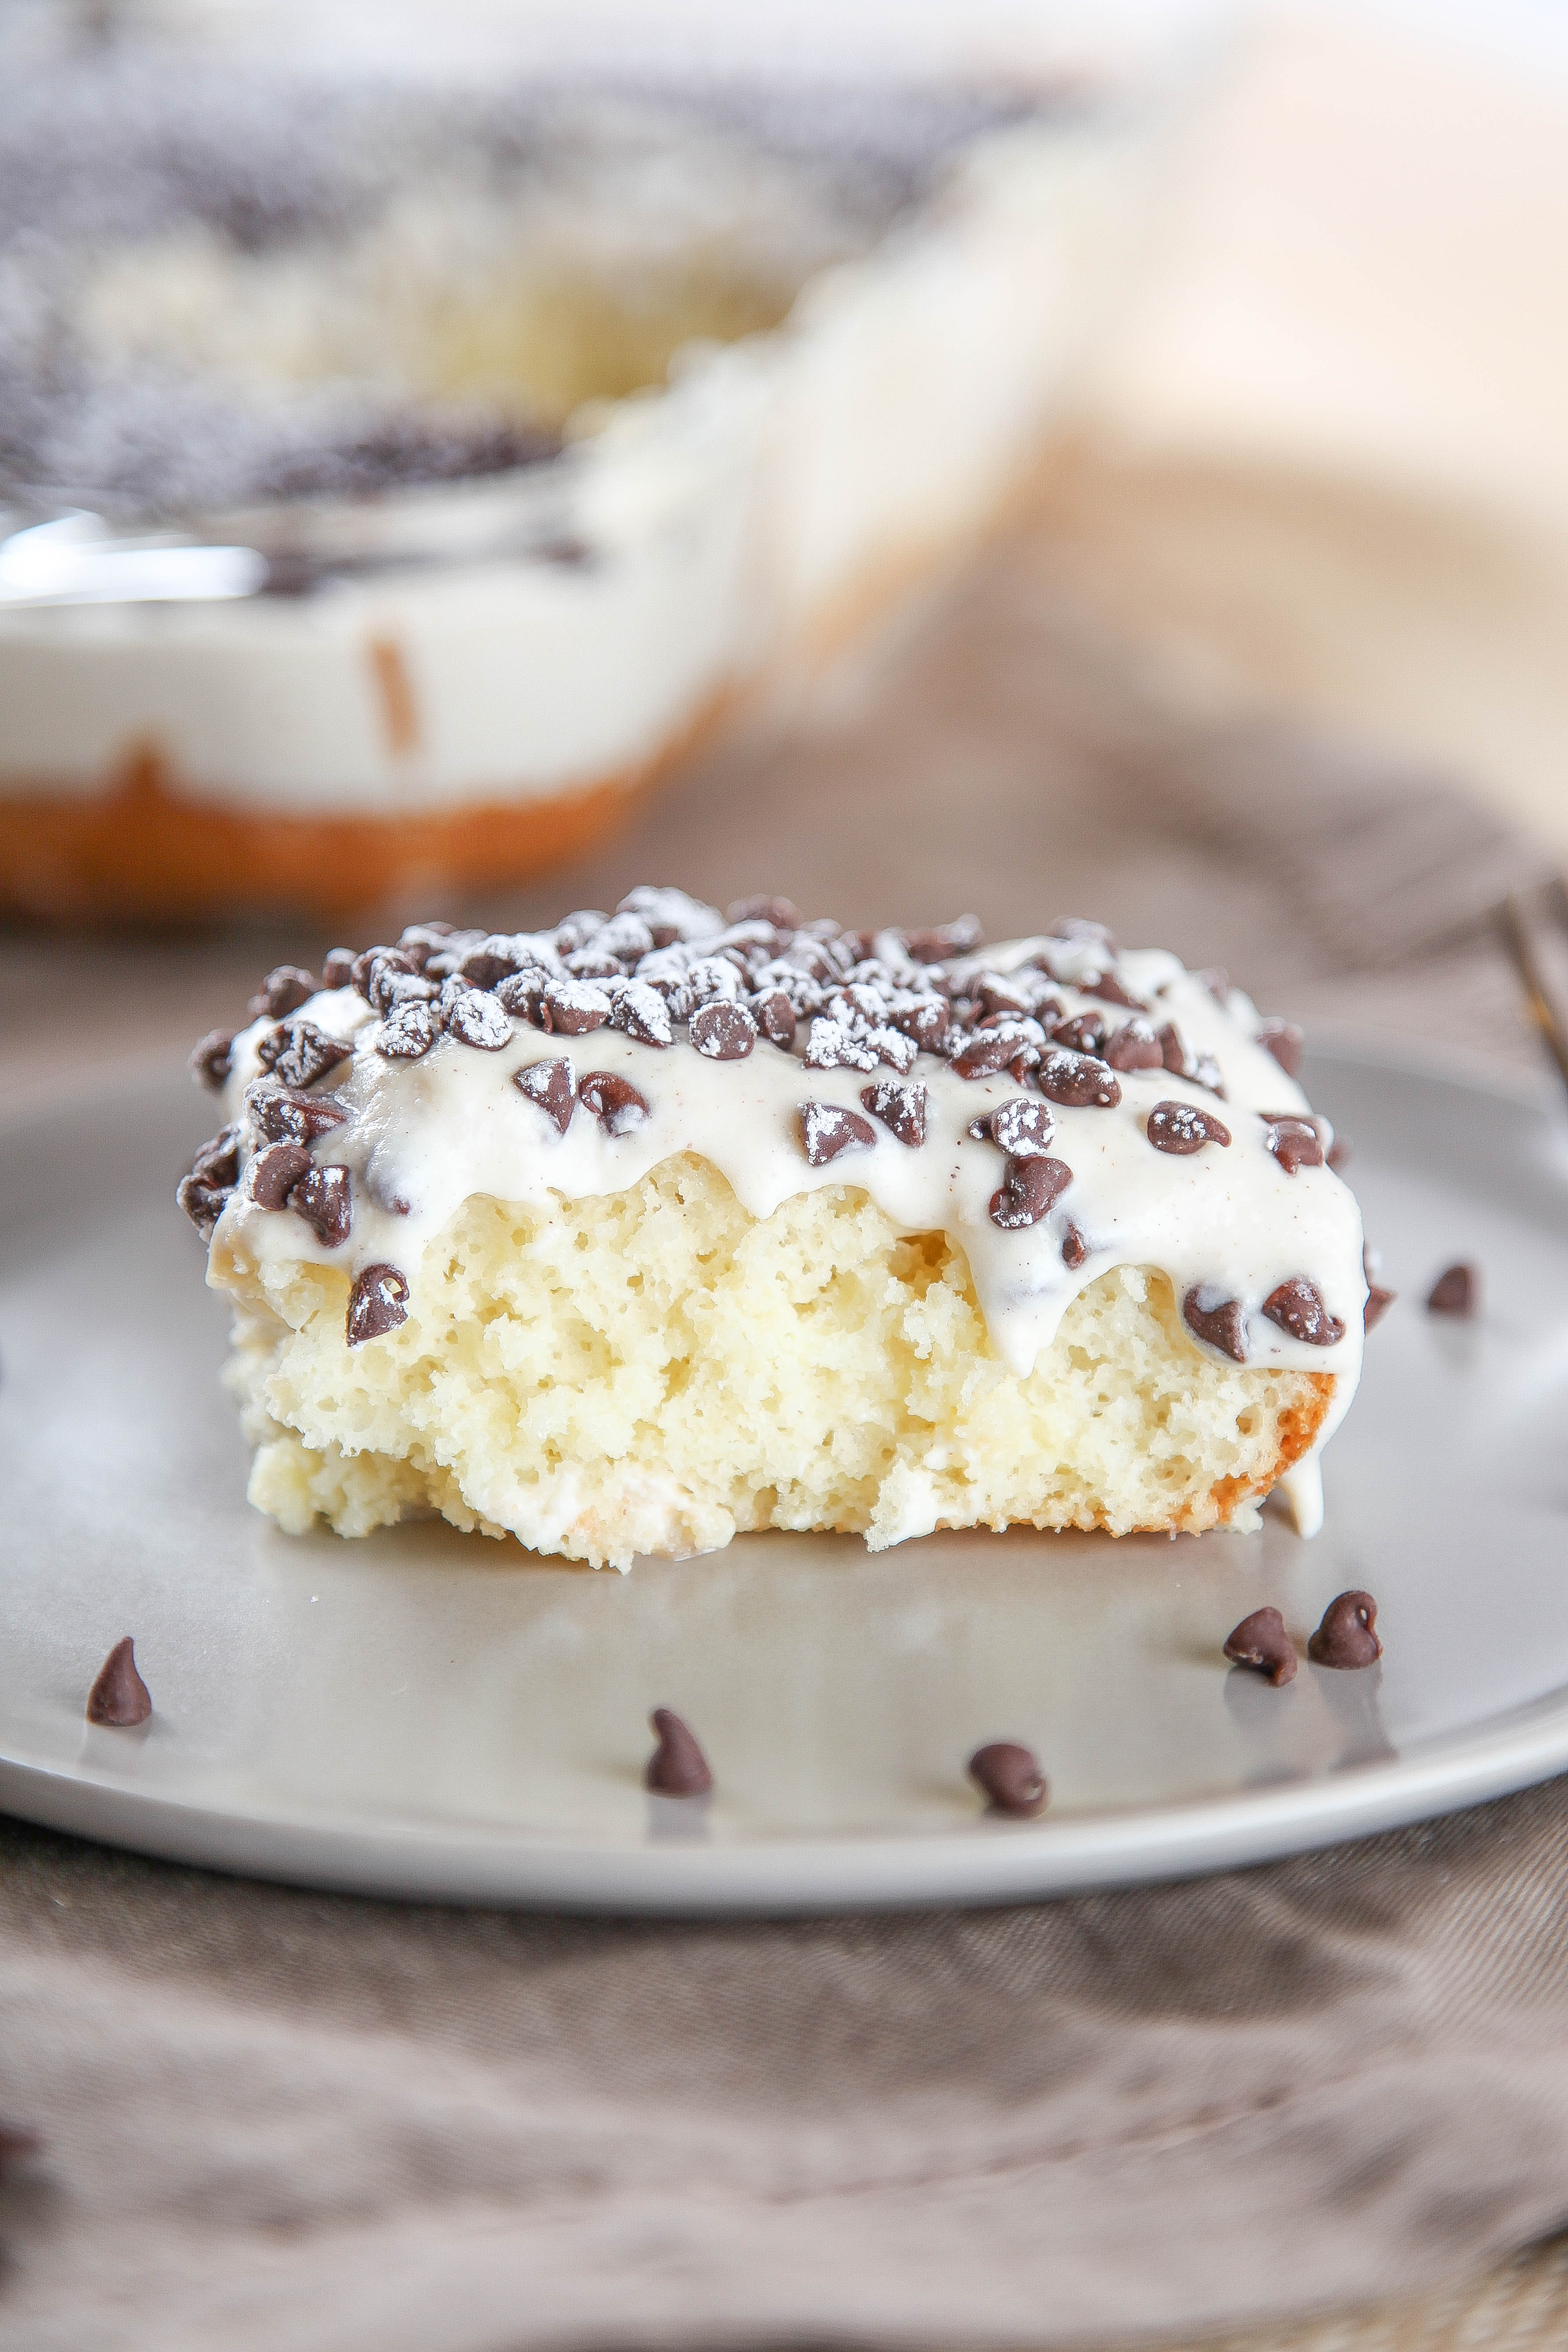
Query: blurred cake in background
{"type": "Point", "coordinates": [396, 481]}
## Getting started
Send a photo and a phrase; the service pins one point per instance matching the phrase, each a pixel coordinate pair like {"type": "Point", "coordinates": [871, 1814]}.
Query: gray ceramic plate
{"type": "Point", "coordinates": [433, 1714]}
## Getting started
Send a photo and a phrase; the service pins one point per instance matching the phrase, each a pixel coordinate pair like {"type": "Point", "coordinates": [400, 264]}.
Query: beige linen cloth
{"type": "Point", "coordinates": [284, 2120]}
{"type": "Point", "coordinates": [296, 2123]}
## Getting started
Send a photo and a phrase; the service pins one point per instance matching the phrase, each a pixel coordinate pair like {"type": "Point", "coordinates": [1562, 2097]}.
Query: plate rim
{"type": "Point", "coordinates": [983, 1863]}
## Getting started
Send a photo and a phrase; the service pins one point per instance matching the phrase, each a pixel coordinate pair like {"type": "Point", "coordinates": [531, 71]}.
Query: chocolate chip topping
{"type": "Point", "coordinates": [1298, 1307]}
{"type": "Point", "coordinates": [287, 1115]}
{"type": "Point", "coordinates": [552, 1086]}
{"type": "Point", "coordinates": [677, 1768]}
{"type": "Point", "coordinates": [1174, 1051]}
{"type": "Point", "coordinates": [209, 1062]}
{"type": "Point", "coordinates": [1295, 1142]}
{"type": "Point", "coordinates": [722, 1033]}
{"type": "Point", "coordinates": [275, 1172]}
{"type": "Point", "coordinates": [988, 1052]}
{"type": "Point", "coordinates": [284, 990]}
{"type": "Point", "coordinates": [1222, 1325]}
{"type": "Point", "coordinates": [324, 1198]}
{"type": "Point", "coordinates": [475, 1019]}
{"type": "Point", "coordinates": [1075, 1248]}
{"type": "Point", "coordinates": [1378, 1302]}
{"type": "Point", "coordinates": [1008, 1776]}
{"type": "Point", "coordinates": [640, 1011]}
{"type": "Point", "coordinates": [827, 1130]}
{"type": "Point", "coordinates": [774, 1016]}
{"type": "Point", "coordinates": [613, 1101]}
{"type": "Point", "coordinates": [1457, 1291]}
{"type": "Point", "coordinates": [1184, 1127]}
{"type": "Point", "coordinates": [1030, 1189]}
{"type": "Point", "coordinates": [119, 1696]}
{"type": "Point", "coordinates": [338, 968]}
{"type": "Point", "coordinates": [1348, 1633]}
{"type": "Point", "coordinates": [298, 1053]}
{"type": "Point", "coordinates": [1020, 1126]}
{"type": "Point", "coordinates": [1261, 1641]}
{"type": "Point", "coordinates": [378, 1303]}
{"type": "Point", "coordinates": [1110, 991]}
{"type": "Point", "coordinates": [1078, 1081]}
{"type": "Point", "coordinates": [1134, 1046]}
{"type": "Point", "coordinates": [572, 1007]}
{"type": "Point", "coordinates": [1082, 1033]}
{"type": "Point", "coordinates": [206, 1192]}
{"type": "Point", "coordinates": [1285, 1042]}
{"type": "Point", "coordinates": [408, 1031]}
{"type": "Point", "coordinates": [902, 1109]}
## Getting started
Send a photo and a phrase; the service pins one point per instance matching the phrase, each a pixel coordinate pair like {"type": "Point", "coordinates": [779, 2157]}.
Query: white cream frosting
{"type": "Point", "coordinates": [424, 1136]}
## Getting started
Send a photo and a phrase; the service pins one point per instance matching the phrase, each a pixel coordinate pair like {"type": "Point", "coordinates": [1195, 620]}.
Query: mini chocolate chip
{"type": "Point", "coordinates": [408, 1032]}
{"type": "Point", "coordinates": [217, 1161]}
{"type": "Point", "coordinates": [1261, 1641]}
{"type": "Point", "coordinates": [902, 1109]}
{"type": "Point", "coordinates": [1075, 1248]}
{"type": "Point", "coordinates": [338, 968]}
{"type": "Point", "coordinates": [1348, 1633]}
{"type": "Point", "coordinates": [1285, 1042]}
{"type": "Point", "coordinates": [613, 1101]}
{"type": "Point", "coordinates": [826, 1130]}
{"type": "Point", "coordinates": [1029, 1191]}
{"type": "Point", "coordinates": [573, 1007]}
{"type": "Point", "coordinates": [1021, 1126]}
{"type": "Point", "coordinates": [521, 993]}
{"type": "Point", "coordinates": [392, 976]}
{"type": "Point", "coordinates": [1298, 1307]}
{"type": "Point", "coordinates": [1173, 1053]}
{"type": "Point", "coordinates": [774, 1016]}
{"type": "Point", "coordinates": [927, 1020]}
{"type": "Point", "coordinates": [1223, 1326]}
{"type": "Point", "coordinates": [275, 1172]}
{"type": "Point", "coordinates": [722, 1033]}
{"type": "Point", "coordinates": [552, 1086]}
{"type": "Point", "coordinates": [209, 1062]}
{"type": "Point", "coordinates": [1078, 1081]}
{"type": "Point", "coordinates": [1082, 1033]}
{"type": "Point", "coordinates": [283, 991]}
{"type": "Point", "coordinates": [324, 1198]}
{"type": "Point", "coordinates": [486, 967]}
{"type": "Point", "coordinates": [1457, 1291]}
{"type": "Point", "coordinates": [1378, 1302]}
{"type": "Point", "coordinates": [1295, 1143]}
{"type": "Point", "coordinates": [1110, 991]}
{"type": "Point", "coordinates": [641, 1013]}
{"type": "Point", "coordinates": [677, 1768]}
{"type": "Point", "coordinates": [782, 913]}
{"type": "Point", "coordinates": [987, 1052]}
{"type": "Point", "coordinates": [1134, 1046]}
{"type": "Point", "coordinates": [285, 1114]}
{"type": "Point", "coordinates": [1182, 1127]}
{"type": "Point", "coordinates": [299, 1052]}
{"type": "Point", "coordinates": [378, 1303]}
{"type": "Point", "coordinates": [204, 1203]}
{"type": "Point", "coordinates": [119, 1696]}
{"type": "Point", "coordinates": [475, 1019]}
{"type": "Point", "coordinates": [1008, 1776]}
{"type": "Point", "coordinates": [947, 940]}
